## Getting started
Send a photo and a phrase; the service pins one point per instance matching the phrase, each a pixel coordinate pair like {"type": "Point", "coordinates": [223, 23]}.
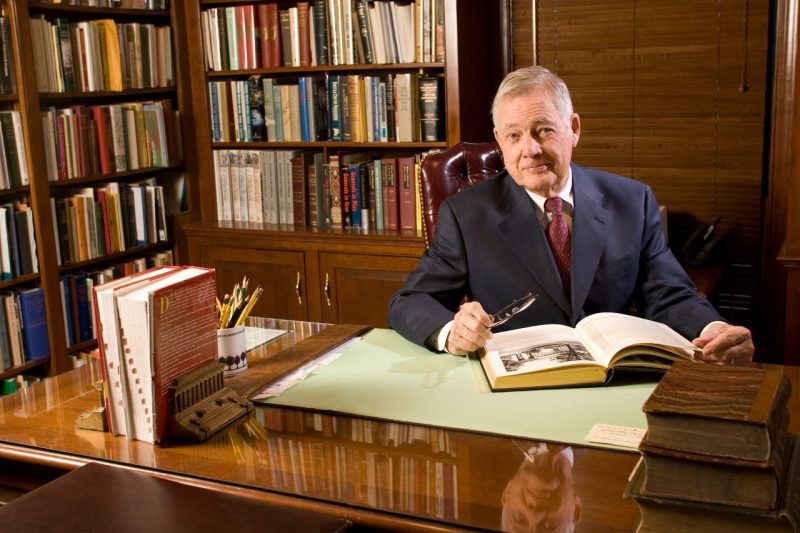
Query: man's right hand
{"type": "Point", "coordinates": [470, 329]}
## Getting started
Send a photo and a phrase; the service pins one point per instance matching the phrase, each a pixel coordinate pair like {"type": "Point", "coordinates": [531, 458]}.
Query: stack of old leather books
{"type": "Point", "coordinates": [718, 455]}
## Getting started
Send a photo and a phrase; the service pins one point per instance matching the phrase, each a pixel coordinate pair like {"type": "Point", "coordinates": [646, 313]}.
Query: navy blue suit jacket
{"type": "Point", "coordinates": [490, 247]}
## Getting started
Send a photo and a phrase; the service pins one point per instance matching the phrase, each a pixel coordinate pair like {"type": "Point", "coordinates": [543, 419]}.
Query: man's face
{"type": "Point", "coordinates": [536, 142]}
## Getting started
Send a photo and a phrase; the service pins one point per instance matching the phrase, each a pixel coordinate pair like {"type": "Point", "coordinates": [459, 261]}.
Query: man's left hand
{"type": "Point", "coordinates": [725, 344]}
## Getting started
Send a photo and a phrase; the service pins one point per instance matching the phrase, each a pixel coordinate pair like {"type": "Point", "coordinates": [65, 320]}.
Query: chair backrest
{"type": "Point", "coordinates": [447, 172]}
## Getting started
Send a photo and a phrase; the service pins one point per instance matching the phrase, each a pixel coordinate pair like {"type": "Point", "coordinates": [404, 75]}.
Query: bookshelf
{"type": "Point", "coordinates": [315, 270]}
{"type": "Point", "coordinates": [64, 163]}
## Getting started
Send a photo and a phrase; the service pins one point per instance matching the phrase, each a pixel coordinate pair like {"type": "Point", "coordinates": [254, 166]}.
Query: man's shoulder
{"type": "Point", "coordinates": [491, 186]}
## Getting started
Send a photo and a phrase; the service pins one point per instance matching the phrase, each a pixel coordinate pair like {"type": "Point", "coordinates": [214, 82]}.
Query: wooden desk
{"type": "Point", "coordinates": [376, 473]}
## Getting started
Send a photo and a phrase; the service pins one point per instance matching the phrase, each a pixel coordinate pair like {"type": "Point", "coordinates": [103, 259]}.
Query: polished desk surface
{"type": "Point", "coordinates": [377, 473]}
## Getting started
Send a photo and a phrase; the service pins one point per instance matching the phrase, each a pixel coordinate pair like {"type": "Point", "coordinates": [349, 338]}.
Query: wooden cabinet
{"type": "Point", "coordinates": [318, 273]}
{"type": "Point", "coordinates": [335, 278]}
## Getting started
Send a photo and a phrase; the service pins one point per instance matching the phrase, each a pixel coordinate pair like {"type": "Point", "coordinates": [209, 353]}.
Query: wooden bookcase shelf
{"type": "Point", "coordinates": [334, 275]}
{"type": "Point", "coordinates": [31, 103]}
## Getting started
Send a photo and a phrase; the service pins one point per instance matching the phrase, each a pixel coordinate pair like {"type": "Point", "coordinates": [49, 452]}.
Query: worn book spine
{"type": "Point", "coordinates": [711, 480]}
{"type": "Point", "coordinates": [694, 404]}
{"type": "Point", "coordinates": [406, 185]}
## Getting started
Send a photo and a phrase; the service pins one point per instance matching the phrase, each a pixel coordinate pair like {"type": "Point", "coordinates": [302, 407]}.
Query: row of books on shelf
{"type": "Point", "coordinates": [323, 32]}
{"type": "Point", "coordinates": [76, 291]}
{"type": "Point", "coordinates": [18, 255]}
{"type": "Point", "coordinates": [83, 140]}
{"type": "Point", "coordinates": [100, 55]}
{"type": "Point", "coordinates": [23, 327]}
{"type": "Point", "coordinates": [349, 190]}
{"type": "Point", "coordinates": [124, 4]}
{"type": "Point", "coordinates": [13, 168]}
{"type": "Point", "coordinates": [93, 222]}
{"type": "Point", "coordinates": [401, 107]}
{"type": "Point", "coordinates": [8, 77]}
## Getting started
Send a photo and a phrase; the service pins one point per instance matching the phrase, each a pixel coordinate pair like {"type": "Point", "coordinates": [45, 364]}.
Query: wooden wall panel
{"type": "Point", "coordinates": [657, 85]}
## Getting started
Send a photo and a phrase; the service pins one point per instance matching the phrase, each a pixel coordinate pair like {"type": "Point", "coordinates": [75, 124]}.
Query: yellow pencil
{"type": "Point", "coordinates": [253, 299]}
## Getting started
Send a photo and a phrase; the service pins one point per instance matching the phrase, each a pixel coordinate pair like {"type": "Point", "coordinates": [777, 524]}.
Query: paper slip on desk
{"type": "Point", "coordinates": [387, 377]}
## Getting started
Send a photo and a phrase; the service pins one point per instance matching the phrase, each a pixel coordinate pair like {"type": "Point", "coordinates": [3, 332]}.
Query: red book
{"type": "Point", "coordinates": [390, 198]}
{"type": "Point", "coordinates": [304, 33]}
{"type": "Point", "coordinates": [101, 199]}
{"type": "Point", "coordinates": [100, 115]}
{"type": "Point", "coordinates": [262, 31]}
{"type": "Point", "coordinates": [335, 191]}
{"type": "Point", "coordinates": [250, 36]}
{"type": "Point", "coordinates": [181, 312]}
{"type": "Point", "coordinates": [407, 192]}
{"type": "Point", "coordinates": [241, 49]}
{"type": "Point", "coordinates": [274, 28]}
{"type": "Point", "coordinates": [61, 145]}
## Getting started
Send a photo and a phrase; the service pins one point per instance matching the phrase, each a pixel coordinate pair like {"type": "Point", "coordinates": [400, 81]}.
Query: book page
{"type": "Point", "coordinates": [536, 349]}
{"type": "Point", "coordinates": [605, 334]}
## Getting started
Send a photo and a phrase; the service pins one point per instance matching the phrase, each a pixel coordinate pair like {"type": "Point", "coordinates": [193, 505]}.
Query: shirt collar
{"type": "Point", "coordinates": [565, 194]}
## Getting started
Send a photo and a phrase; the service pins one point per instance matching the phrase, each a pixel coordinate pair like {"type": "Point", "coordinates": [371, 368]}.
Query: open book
{"type": "Point", "coordinates": [559, 356]}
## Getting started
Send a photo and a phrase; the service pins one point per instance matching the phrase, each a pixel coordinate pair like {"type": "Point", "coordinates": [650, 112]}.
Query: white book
{"type": "Point", "coordinates": [111, 348]}
{"type": "Point", "coordinates": [23, 163]}
{"type": "Point", "coordinates": [5, 250]}
{"type": "Point", "coordinates": [378, 39]}
{"type": "Point", "coordinates": [32, 241]}
{"type": "Point", "coordinates": [269, 172]}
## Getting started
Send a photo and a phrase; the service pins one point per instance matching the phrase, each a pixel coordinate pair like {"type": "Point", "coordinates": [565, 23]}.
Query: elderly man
{"type": "Point", "coordinates": [585, 240]}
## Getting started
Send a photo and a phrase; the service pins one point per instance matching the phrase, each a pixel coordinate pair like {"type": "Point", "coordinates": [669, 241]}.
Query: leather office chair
{"type": "Point", "coordinates": [447, 172]}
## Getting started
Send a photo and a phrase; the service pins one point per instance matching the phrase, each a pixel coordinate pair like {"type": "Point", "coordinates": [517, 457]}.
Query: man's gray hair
{"type": "Point", "coordinates": [529, 80]}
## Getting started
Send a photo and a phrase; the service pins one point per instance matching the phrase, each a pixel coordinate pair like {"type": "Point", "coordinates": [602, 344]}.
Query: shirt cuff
{"type": "Point", "coordinates": [438, 339]}
{"type": "Point", "coordinates": [711, 324]}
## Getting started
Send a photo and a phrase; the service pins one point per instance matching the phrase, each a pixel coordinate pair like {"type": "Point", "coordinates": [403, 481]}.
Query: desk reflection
{"type": "Point", "coordinates": [541, 494]}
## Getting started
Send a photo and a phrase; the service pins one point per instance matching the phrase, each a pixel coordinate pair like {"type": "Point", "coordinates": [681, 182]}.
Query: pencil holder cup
{"type": "Point", "coordinates": [232, 350]}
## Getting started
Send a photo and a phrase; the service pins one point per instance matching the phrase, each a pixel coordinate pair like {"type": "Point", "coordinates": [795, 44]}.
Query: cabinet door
{"type": "Point", "coordinates": [281, 274]}
{"type": "Point", "coordinates": [356, 288]}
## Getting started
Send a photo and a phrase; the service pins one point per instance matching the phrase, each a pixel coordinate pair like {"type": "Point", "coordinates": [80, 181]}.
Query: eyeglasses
{"type": "Point", "coordinates": [514, 308]}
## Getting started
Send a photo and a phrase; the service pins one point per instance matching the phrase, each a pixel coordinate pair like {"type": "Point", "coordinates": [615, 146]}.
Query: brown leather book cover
{"type": "Point", "coordinates": [755, 485]}
{"type": "Point", "coordinates": [100, 498]}
{"type": "Point", "coordinates": [390, 198]}
{"type": "Point", "coordinates": [694, 405]}
{"type": "Point", "coordinates": [406, 190]}
{"type": "Point", "coordinates": [659, 514]}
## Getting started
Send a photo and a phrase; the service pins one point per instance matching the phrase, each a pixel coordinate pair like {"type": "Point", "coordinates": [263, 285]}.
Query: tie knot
{"type": "Point", "coordinates": [553, 205]}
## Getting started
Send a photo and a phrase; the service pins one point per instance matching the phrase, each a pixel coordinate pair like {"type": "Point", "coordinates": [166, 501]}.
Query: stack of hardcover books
{"type": "Point", "coordinates": [718, 455]}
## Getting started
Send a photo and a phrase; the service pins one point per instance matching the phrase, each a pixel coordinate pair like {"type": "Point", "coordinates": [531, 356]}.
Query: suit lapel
{"type": "Point", "coordinates": [522, 233]}
{"type": "Point", "coordinates": [588, 236]}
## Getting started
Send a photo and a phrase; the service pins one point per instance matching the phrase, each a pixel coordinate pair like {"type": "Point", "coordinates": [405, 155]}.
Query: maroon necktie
{"type": "Point", "coordinates": [559, 238]}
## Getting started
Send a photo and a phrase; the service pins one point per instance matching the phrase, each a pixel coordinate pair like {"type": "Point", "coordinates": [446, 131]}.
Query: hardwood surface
{"type": "Point", "coordinates": [380, 474]}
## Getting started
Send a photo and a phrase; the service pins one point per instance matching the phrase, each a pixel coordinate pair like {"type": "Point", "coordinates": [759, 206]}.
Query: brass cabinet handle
{"type": "Point", "coordinates": [327, 289]}
{"type": "Point", "coordinates": [297, 290]}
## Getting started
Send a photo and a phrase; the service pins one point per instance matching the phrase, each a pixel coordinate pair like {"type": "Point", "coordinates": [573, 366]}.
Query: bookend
{"type": "Point", "coordinates": [202, 405]}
